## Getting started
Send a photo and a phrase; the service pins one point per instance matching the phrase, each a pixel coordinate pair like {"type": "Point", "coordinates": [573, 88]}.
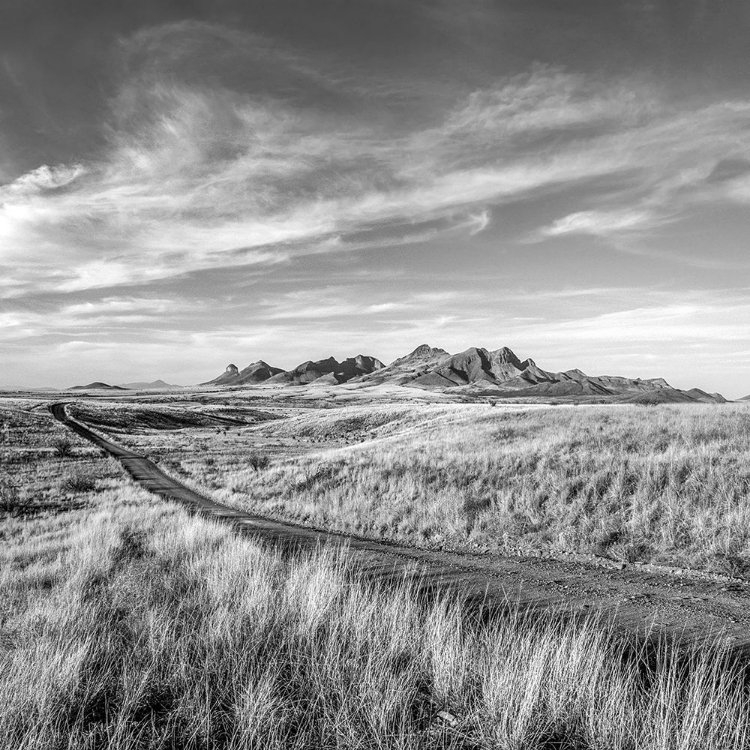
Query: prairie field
{"type": "Point", "coordinates": [665, 484]}
{"type": "Point", "coordinates": [128, 623]}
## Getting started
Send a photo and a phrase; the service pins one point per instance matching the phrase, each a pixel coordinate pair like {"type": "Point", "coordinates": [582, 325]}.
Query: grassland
{"type": "Point", "coordinates": [127, 623]}
{"type": "Point", "coordinates": [666, 484]}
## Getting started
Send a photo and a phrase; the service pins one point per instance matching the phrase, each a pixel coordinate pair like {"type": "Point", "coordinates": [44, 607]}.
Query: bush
{"type": "Point", "coordinates": [258, 461]}
{"type": "Point", "coordinates": [63, 448]}
{"type": "Point", "coordinates": [78, 483]}
{"type": "Point", "coordinates": [9, 498]}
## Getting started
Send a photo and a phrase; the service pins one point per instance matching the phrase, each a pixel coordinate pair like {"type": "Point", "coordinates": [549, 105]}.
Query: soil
{"type": "Point", "coordinates": [687, 606]}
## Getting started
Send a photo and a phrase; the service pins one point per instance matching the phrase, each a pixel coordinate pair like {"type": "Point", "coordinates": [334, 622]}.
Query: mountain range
{"type": "Point", "coordinates": [153, 385]}
{"type": "Point", "coordinates": [139, 386]}
{"type": "Point", "coordinates": [496, 373]}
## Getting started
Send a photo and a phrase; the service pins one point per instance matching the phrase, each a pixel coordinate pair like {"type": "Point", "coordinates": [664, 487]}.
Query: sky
{"type": "Point", "coordinates": [189, 184]}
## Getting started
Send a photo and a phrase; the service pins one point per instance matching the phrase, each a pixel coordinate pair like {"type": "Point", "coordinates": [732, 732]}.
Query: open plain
{"type": "Point", "coordinates": [466, 530]}
{"type": "Point", "coordinates": [666, 484]}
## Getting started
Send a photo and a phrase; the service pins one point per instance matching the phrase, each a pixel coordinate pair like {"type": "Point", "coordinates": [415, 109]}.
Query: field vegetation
{"type": "Point", "coordinates": [665, 484]}
{"type": "Point", "coordinates": [127, 623]}
{"type": "Point", "coordinates": [44, 467]}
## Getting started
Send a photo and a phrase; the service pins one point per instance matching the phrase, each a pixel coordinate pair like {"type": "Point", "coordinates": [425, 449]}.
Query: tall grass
{"type": "Point", "coordinates": [136, 626]}
{"type": "Point", "coordinates": [665, 484]}
{"type": "Point", "coordinates": [125, 623]}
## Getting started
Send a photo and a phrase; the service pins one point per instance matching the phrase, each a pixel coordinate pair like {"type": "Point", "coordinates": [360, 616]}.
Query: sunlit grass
{"type": "Point", "coordinates": [127, 623]}
{"type": "Point", "coordinates": [135, 625]}
{"type": "Point", "coordinates": [654, 484]}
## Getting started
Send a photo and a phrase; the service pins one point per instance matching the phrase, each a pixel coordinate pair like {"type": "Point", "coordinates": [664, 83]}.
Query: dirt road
{"type": "Point", "coordinates": [686, 606]}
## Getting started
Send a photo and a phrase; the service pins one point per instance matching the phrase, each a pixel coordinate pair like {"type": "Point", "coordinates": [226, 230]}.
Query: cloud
{"type": "Point", "coordinates": [600, 223]}
{"type": "Point", "coordinates": [93, 318]}
{"type": "Point", "coordinates": [478, 222]}
{"type": "Point", "coordinates": [199, 177]}
{"type": "Point", "coordinates": [549, 99]}
{"type": "Point", "coordinates": [41, 179]}
{"type": "Point", "coordinates": [337, 302]}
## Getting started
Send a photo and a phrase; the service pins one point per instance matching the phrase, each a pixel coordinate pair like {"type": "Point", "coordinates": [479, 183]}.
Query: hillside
{"type": "Point", "coordinates": [322, 371]}
{"type": "Point", "coordinates": [154, 385]}
{"type": "Point", "coordinates": [497, 373]}
{"type": "Point", "coordinates": [97, 386]}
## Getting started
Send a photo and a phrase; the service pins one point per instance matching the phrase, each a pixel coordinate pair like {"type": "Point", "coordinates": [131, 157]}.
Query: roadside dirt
{"type": "Point", "coordinates": [687, 607]}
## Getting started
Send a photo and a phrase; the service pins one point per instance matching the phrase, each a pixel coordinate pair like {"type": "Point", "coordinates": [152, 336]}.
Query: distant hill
{"type": "Point", "coordinates": [97, 386]}
{"type": "Point", "coordinates": [227, 377]}
{"type": "Point", "coordinates": [28, 389]}
{"type": "Point", "coordinates": [257, 372]}
{"type": "Point", "coordinates": [501, 373]}
{"type": "Point", "coordinates": [329, 371]}
{"type": "Point", "coordinates": [323, 371]}
{"type": "Point", "coordinates": [153, 385]}
{"type": "Point", "coordinates": [498, 373]}
{"type": "Point", "coordinates": [409, 367]}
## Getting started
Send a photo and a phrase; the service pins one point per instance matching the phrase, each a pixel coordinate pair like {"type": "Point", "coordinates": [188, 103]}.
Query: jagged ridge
{"type": "Point", "coordinates": [498, 373]}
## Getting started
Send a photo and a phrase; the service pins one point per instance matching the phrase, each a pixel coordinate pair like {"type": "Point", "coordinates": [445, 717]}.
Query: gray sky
{"type": "Point", "coordinates": [185, 184]}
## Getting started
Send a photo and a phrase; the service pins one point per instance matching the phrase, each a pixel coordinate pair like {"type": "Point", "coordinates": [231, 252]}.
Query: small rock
{"type": "Point", "coordinates": [448, 718]}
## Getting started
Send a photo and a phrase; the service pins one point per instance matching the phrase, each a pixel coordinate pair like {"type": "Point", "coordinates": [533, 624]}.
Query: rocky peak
{"type": "Point", "coordinates": [424, 351]}
{"type": "Point", "coordinates": [505, 356]}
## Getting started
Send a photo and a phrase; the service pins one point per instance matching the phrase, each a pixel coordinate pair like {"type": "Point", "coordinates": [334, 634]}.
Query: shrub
{"type": "Point", "coordinates": [258, 461]}
{"type": "Point", "coordinates": [9, 498]}
{"type": "Point", "coordinates": [63, 448]}
{"type": "Point", "coordinates": [78, 483]}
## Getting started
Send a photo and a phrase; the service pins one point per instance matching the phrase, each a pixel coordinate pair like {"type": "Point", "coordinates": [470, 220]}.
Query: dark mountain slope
{"type": "Point", "coordinates": [306, 372]}
{"type": "Point", "coordinates": [257, 372]}
{"type": "Point", "coordinates": [405, 369]}
{"type": "Point", "coordinates": [97, 386]}
{"type": "Point", "coordinates": [329, 371]}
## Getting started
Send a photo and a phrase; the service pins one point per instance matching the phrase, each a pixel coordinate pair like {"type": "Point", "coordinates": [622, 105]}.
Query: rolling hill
{"type": "Point", "coordinates": [154, 385]}
{"type": "Point", "coordinates": [97, 386]}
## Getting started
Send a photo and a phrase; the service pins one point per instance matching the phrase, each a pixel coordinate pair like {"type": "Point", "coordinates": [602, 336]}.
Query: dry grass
{"type": "Point", "coordinates": [136, 626]}
{"type": "Point", "coordinates": [43, 467]}
{"type": "Point", "coordinates": [127, 624]}
{"type": "Point", "coordinates": [655, 484]}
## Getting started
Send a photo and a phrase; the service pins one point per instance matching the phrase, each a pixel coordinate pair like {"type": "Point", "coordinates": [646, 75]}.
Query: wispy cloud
{"type": "Point", "coordinates": [600, 223]}
{"type": "Point", "coordinates": [198, 176]}
{"type": "Point", "coordinates": [195, 174]}
{"type": "Point", "coordinates": [337, 302]}
{"type": "Point", "coordinates": [42, 179]}
{"type": "Point", "coordinates": [94, 318]}
{"type": "Point", "coordinates": [547, 100]}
